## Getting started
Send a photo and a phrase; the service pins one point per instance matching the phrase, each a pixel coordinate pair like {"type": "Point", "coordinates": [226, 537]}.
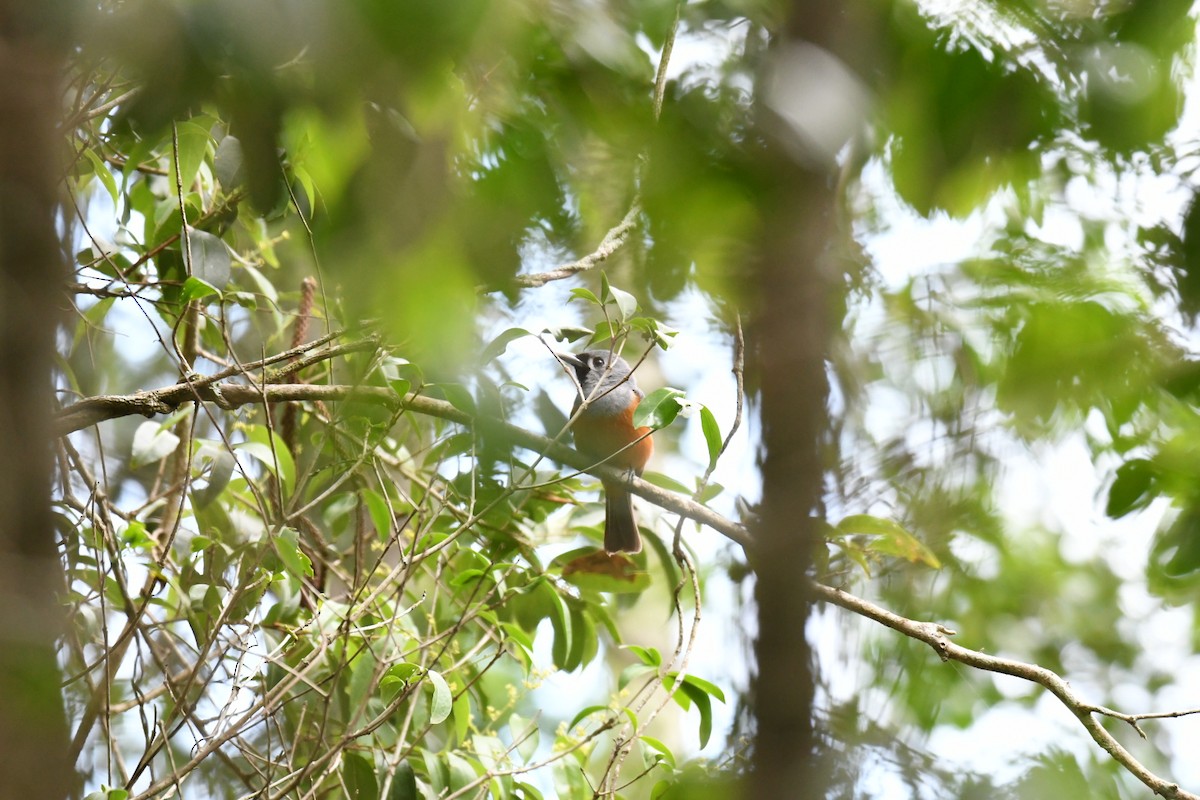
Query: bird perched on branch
{"type": "Point", "coordinates": [605, 431]}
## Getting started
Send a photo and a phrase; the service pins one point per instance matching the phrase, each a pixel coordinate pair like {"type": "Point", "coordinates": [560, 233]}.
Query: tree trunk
{"type": "Point", "coordinates": [33, 736]}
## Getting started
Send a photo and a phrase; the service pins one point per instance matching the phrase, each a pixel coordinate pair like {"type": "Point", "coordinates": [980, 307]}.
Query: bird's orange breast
{"type": "Point", "coordinates": [602, 435]}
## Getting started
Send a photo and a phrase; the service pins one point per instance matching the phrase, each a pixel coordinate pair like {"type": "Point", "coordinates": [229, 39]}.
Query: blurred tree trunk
{"type": "Point", "coordinates": [800, 313]}
{"type": "Point", "coordinates": [33, 737]}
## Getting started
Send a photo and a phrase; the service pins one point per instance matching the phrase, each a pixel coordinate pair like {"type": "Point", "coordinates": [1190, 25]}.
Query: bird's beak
{"type": "Point", "coordinates": [568, 358]}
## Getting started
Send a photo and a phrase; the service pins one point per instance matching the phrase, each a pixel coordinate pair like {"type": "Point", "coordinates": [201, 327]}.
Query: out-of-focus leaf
{"type": "Point", "coordinates": [712, 435]}
{"type": "Point", "coordinates": [287, 546]}
{"type": "Point", "coordinates": [227, 163]}
{"type": "Point", "coordinates": [404, 783]}
{"type": "Point", "coordinates": [210, 259]}
{"type": "Point", "coordinates": [151, 443]}
{"type": "Point", "coordinates": [358, 776]}
{"type": "Point", "coordinates": [1131, 489]}
{"type": "Point", "coordinates": [497, 346]}
{"type": "Point", "coordinates": [892, 539]}
{"type": "Point", "coordinates": [441, 704]}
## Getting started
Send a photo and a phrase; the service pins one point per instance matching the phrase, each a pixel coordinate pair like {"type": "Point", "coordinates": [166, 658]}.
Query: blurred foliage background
{"type": "Point", "coordinates": [351, 597]}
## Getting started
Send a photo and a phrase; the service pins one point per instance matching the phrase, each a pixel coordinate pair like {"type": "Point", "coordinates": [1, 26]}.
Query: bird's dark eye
{"type": "Point", "coordinates": [597, 362]}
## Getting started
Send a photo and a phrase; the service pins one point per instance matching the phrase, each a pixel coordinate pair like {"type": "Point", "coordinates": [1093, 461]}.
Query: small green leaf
{"type": "Point", "coordinates": [710, 491]}
{"type": "Point", "coordinates": [712, 435]}
{"type": "Point", "coordinates": [649, 655]}
{"type": "Point", "coordinates": [377, 509]}
{"type": "Point", "coordinates": [220, 465]}
{"type": "Point", "coordinates": [497, 346]}
{"type": "Point", "coordinates": [151, 443]}
{"type": "Point", "coordinates": [462, 716]}
{"type": "Point", "coordinates": [570, 333]}
{"type": "Point", "coordinates": [561, 646]}
{"type": "Point", "coordinates": [104, 174]}
{"type": "Point", "coordinates": [658, 409]}
{"type": "Point", "coordinates": [227, 163]}
{"type": "Point", "coordinates": [705, 686]}
{"type": "Point", "coordinates": [583, 294]}
{"type": "Point", "coordinates": [525, 735]}
{"type": "Point", "coordinates": [458, 396]}
{"type": "Point", "coordinates": [358, 776]}
{"type": "Point", "coordinates": [893, 539]}
{"type": "Point", "coordinates": [287, 547]}
{"type": "Point", "coordinates": [1131, 489]}
{"type": "Point", "coordinates": [688, 693]}
{"type": "Point", "coordinates": [211, 262]}
{"type": "Point", "coordinates": [585, 713]}
{"type": "Point", "coordinates": [529, 792]}
{"type": "Point", "coordinates": [270, 450]}
{"type": "Point", "coordinates": [627, 304]}
{"type": "Point", "coordinates": [193, 145]}
{"type": "Point", "coordinates": [404, 783]}
{"type": "Point", "coordinates": [442, 703]}
{"type": "Point", "coordinates": [655, 744]}
{"type": "Point", "coordinates": [195, 289]}
{"type": "Point", "coordinates": [665, 482]}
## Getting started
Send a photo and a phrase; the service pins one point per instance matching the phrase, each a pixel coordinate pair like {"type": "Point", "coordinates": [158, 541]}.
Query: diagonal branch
{"type": "Point", "coordinates": [936, 636]}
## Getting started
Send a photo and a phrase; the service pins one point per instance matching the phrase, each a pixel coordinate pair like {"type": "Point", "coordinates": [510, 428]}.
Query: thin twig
{"type": "Point", "coordinates": [937, 636]}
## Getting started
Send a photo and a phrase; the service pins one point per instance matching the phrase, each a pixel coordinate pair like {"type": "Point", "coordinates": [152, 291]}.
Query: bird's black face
{"type": "Point", "coordinates": [590, 361]}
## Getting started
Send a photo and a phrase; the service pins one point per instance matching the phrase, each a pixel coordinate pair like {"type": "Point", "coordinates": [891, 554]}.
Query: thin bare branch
{"type": "Point", "coordinates": [937, 636]}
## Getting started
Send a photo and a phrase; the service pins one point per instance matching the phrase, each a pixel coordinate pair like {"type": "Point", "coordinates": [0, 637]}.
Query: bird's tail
{"type": "Point", "coordinates": [620, 527]}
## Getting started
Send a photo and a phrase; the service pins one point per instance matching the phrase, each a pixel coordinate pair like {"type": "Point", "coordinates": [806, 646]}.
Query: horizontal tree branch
{"type": "Point", "coordinates": [229, 395]}
{"type": "Point", "coordinates": [936, 636]}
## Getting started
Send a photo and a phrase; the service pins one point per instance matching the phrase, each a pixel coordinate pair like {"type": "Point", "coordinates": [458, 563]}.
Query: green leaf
{"type": "Point", "coordinates": [404, 783]}
{"type": "Point", "coordinates": [648, 655]}
{"type": "Point", "coordinates": [102, 172]}
{"type": "Point", "coordinates": [525, 734]}
{"type": "Point", "coordinates": [219, 473]}
{"type": "Point", "coordinates": [152, 443]}
{"type": "Point", "coordinates": [266, 446]}
{"type": "Point", "coordinates": [626, 303]}
{"type": "Point", "coordinates": [442, 703]}
{"type": "Point", "coordinates": [570, 333]}
{"type": "Point", "coordinates": [561, 647]}
{"type": "Point", "coordinates": [688, 693]}
{"type": "Point", "coordinates": [358, 776]}
{"type": "Point", "coordinates": [287, 547]}
{"type": "Point", "coordinates": [893, 539]}
{"type": "Point", "coordinates": [583, 294]}
{"type": "Point", "coordinates": [457, 395]}
{"type": "Point", "coordinates": [665, 482]}
{"type": "Point", "coordinates": [712, 435]}
{"type": "Point", "coordinates": [585, 713]}
{"type": "Point", "coordinates": [1131, 489]}
{"type": "Point", "coordinates": [377, 509]}
{"type": "Point", "coordinates": [227, 163]}
{"type": "Point", "coordinates": [193, 146]}
{"type": "Point", "coordinates": [529, 792]}
{"type": "Point", "coordinates": [658, 746]}
{"type": "Point", "coordinates": [658, 409]}
{"type": "Point", "coordinates": [705, 686]}
{"type": "Point", "coordinates": [497, 346]}
{"type": "Point", "coordinates": [462, 716]}
{"type": "Point", "coordinates": [195, 289]}
{"type": "Point", "coordinates": [211, 261]}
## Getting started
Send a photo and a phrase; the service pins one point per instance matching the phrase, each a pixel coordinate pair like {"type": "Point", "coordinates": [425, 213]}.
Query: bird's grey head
{"type": "Point", "coordinates": [598, 372]}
